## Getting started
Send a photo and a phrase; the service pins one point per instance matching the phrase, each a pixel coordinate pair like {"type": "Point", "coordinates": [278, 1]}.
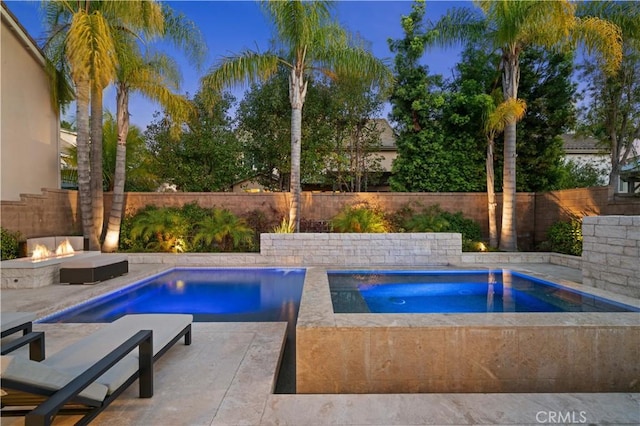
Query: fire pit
{"type": "Point", "coordinates": [43, 267]}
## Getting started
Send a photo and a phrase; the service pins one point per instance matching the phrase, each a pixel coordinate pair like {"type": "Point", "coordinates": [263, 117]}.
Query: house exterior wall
{"type": "Point", "coordinates": [29, 152]}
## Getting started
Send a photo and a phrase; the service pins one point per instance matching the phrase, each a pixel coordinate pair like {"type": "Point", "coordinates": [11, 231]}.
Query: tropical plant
{"type": "Point", "coordinates": [512, 27]}
{"type": "Point", "coordinates": [9, 244]}
{"type": "Point", "coordinates": [360, 219]}
{"type": "Point", "coordinates": [224, 229]}
{"type": "Point", "coordinates": [310, 42]}
{"type": "Point", "coordinates": [162, 230]}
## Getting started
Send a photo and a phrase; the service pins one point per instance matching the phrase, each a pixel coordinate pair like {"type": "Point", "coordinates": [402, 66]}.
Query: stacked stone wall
{"type": "Point", "coordinates": [611, 253]}
{"type": "Point", "coordinates": [362, 249]}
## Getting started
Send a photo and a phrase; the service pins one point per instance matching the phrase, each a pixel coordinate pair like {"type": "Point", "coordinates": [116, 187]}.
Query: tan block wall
{"type": "Point", "coordinates": [55, 212]}
{"type": "Point", "coordinates": [561, 358]}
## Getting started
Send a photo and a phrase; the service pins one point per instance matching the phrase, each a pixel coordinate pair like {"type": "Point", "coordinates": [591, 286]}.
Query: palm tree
{"type": "Point", "coordinates": [509, 111]}
{"type": "Point", "coordinates": [82, 41]}
{"type": "Point", "coordinates": [511, 26]}
{"type": "Point", "coordinates": [79, 42]}
{"type": "Point", "coordinates": [310, 43]}
{"type": "Point", "coordinates": [156, 77]}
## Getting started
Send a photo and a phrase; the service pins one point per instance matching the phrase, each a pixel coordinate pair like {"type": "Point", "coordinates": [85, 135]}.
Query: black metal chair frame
{"type": "Point", "coordinates": [55, 401]}
{"type": "Point", "coordinates": [26, 328]}
{"type": "Point", "coordinates": [35, 339]}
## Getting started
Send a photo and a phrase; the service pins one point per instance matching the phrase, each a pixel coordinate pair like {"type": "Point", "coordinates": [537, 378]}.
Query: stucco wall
{"type": "Point", "coordinates": [29, 152]}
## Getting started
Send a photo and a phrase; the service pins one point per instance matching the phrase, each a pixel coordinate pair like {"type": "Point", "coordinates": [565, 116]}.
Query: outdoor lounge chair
{"type": "Point", "coordinates": [86, 376]}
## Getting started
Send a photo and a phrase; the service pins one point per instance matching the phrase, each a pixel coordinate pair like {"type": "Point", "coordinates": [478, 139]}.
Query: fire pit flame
{"type": "Point", "coordinates": [40, 252]}
{"type": "Point", "coordinates": [64, 248]}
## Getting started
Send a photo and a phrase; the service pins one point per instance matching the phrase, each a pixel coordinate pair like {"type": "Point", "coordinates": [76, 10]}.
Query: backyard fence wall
{"type": "Point", "coordinates": [56, 212]}
{"type": "Point", "coordinates": [611, 254]}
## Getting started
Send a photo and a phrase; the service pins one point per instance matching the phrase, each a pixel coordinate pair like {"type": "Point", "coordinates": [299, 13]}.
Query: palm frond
{"type": "Point", "coordinates": [246, 67]}
{"type": "Point", "coordinates": [90, 48]}
{"type": "Point", "coordinates": [297, 21]}
{"type": "Point", "coordinates": [185, 35]}
{"type": "Point", "coordinates": [602, 37]}
{"type": "Point", "coordinates": [457, 26]}
{"type": "Point", "coordinates": [508, 112]}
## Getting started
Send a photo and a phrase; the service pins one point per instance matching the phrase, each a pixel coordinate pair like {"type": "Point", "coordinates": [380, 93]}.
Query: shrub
{"type": "Point", "coordinates": [434, 219]}
{"type": "Point", "coordinates": [9, 244]}
{"type": "Point", "coordinates": [223, 230]}
{"type": "Point", "coordinates": [360, 219]}
{"type": "Point", "coordinates": [161, 230]}
{"type": "Point", "coordinates": [565, 237]}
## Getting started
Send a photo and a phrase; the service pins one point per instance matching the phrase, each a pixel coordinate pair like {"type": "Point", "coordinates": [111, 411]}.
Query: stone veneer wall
{"type": "Point", "coordinates": [413, 249]}
{"type": "Point", "coordinates": [611, 253]}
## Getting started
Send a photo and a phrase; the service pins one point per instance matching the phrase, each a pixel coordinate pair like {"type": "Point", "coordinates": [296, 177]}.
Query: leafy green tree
{"type": "Point", "coordinates": [513, 27]}
{"type": "Point", "coordinates": [206, 156]}
{"type": "Point", "coordinates": [576, 175]}
{"type": "Point", "coordinates": [416, 103]}
{"type": "Point", "coordinates": [308, 42]}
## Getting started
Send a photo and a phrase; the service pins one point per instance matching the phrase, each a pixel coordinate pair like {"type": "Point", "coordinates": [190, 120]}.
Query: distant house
{"type": "Point", "coordinates": [29, 136]}
{"type": "Point", "coordinates": [585, 150]}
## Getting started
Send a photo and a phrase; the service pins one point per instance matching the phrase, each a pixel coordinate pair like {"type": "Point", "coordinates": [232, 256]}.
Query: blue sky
{"type": "Point", "coordinates": [231, 26]}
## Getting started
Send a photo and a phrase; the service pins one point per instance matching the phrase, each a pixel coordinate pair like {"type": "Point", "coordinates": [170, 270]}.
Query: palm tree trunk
{"type": "Point", "coordinates": [83, 149]}
{"type": "Point", "coordinates": [491, 197]}
{"type": "Point", "coordinates": [112, 236]}
{"type": "Point", "coordinates": [297, 93]}
{"type": "Point", "coordinates": [96, 168]}
{"type": "Point", "coordinates": [510, 82]}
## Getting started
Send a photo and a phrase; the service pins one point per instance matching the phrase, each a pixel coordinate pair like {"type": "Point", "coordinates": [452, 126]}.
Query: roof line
{"type": "Point", "coordinates": [16, 27]}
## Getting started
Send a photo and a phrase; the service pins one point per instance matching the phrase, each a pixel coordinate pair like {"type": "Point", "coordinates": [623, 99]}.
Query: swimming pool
{"type": "Point", "coordinates": [209, 294]}
{"type": "Point", "coordinates": [457, 292]}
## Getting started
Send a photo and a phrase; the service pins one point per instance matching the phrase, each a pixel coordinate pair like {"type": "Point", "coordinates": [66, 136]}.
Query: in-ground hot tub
{"type": "Point", "coordinates": [470, 352]}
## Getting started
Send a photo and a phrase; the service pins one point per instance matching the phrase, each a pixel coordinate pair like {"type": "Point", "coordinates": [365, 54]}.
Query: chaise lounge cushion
{"type": "Point", "coordinates": [34, 373]}
{"type": "Point", "coordinates": [9, 320]}
{"type": "Point", "coordinates": [77, 357]}
{"type": "Point", "coordinates": [94, 261]}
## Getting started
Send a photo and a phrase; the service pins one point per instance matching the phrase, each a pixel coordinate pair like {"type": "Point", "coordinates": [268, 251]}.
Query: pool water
{"type": "Point", "coordinates": [208, 294]}
{"type": "Point", "coordinates": [457, 292]}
